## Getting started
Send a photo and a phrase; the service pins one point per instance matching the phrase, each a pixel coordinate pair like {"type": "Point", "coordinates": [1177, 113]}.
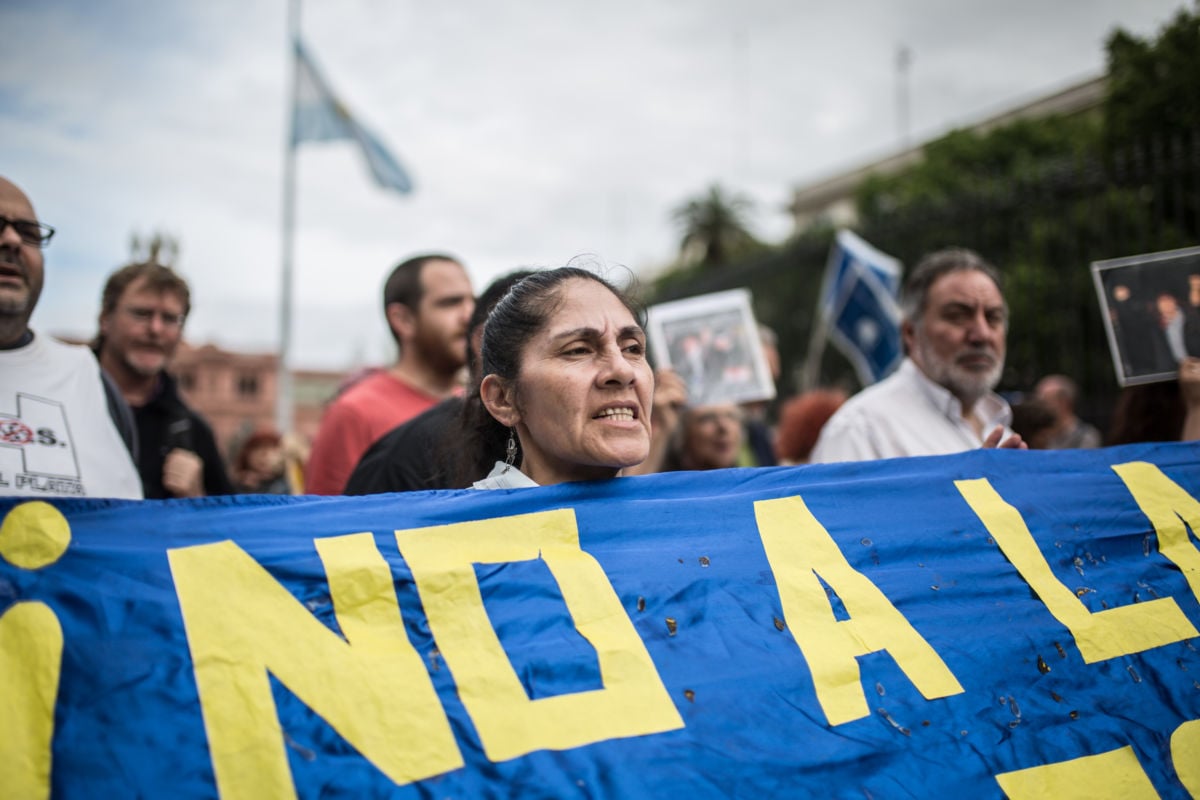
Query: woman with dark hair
{"type": "Point", "coordinates": [566, 389]}
{"type": "Point", "coordinates": [260, 467]}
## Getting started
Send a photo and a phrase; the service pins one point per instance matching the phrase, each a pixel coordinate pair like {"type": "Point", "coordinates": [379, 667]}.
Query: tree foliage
{"type": "Point", "coordinates": [715, 227]}
{"type": "Point", "coordinates": [1042, 198]}
{"type": "Point", "coordinates": [1154, 85]}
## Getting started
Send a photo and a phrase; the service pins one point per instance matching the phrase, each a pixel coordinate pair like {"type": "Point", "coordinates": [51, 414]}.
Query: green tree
{"type": "Point", "coordinates": [1154, 85]}
{"type": "Point", "coordinates": [715, 228]}
{"type": "Point", "coordinates": [966, 164]}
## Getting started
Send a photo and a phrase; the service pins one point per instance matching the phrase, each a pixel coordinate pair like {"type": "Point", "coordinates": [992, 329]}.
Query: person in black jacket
{"type": "Point", "coordinates": [143, 308]}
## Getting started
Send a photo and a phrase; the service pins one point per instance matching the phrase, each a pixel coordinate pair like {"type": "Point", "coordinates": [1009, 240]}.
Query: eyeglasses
{"type": "Point", "coordinates": [31, 231]}
{"type": "Point", "coordinates": [145, 316]}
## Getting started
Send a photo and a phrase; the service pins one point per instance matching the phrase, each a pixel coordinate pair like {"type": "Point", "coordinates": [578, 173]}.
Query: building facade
{"type": "Point", "coordinates": [236, 392]}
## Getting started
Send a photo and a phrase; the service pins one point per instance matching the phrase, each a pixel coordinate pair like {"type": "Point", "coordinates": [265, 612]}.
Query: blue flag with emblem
{"type": "Point", "coordinates": [319, 116]}
{"type": "Point", "coordinates": [858, 306]}
{"type": "Point", "coordinates": [992, 624]}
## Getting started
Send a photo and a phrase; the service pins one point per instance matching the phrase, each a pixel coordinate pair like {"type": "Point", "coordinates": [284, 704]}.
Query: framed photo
{"type": "Point", "coordinates": [1151, 309]}
{"type": "Point", "coordinates": [712, 342]}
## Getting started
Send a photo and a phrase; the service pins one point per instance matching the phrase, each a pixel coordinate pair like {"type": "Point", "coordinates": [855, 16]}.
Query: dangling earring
{"type": "Point", "coordinates": [510, 450]}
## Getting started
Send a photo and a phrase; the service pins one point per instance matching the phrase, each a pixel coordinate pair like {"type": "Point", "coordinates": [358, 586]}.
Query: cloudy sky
{"type": "Point", "coordinates": [535, 131]}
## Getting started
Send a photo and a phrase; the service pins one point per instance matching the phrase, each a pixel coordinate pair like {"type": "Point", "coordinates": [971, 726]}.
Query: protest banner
{"type": "Point", "coordinates": [995, 623]}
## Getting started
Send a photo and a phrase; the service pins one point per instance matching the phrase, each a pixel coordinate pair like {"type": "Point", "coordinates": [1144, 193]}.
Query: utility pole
{"type": "Point", "coordinates": [903, 62]}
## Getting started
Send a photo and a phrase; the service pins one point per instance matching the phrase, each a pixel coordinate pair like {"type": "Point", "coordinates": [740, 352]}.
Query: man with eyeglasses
{"type": "Point", "coordinates": [142, 311]}
{"type": "Point", "coordinates": [64, 429]}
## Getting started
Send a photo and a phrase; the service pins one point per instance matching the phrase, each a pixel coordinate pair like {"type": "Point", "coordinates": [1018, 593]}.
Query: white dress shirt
{"type": "Point", "coordinates": [906, 414]}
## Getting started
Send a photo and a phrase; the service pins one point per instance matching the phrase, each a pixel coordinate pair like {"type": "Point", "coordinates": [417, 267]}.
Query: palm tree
{"type": "Point", "coordinates": [714, 226]}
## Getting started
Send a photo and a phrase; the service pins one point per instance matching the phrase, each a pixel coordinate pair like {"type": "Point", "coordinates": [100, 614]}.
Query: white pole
{"type": "Point", "coordinates": [283, 384]}
{"type": "Point", "coordinates": [903, 62]}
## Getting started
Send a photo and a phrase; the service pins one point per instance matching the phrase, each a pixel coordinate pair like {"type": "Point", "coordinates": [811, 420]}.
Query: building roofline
{"type": "Point", "coordinates": [1077, 97]}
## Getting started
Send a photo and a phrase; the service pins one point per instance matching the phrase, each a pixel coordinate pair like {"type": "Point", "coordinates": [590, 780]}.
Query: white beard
{"type": "Point", "coordinates": [967, 385]}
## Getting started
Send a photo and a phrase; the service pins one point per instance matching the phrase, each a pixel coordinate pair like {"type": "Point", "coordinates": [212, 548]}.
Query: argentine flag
{"type": "Point", "coordinates": [318, 116]}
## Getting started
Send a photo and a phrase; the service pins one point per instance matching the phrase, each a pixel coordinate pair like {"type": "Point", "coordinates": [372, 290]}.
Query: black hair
{"type": "Point", "coordinates": [487, 301]}
{"type": "Point", "coordinates": [523, 311]}
{"type": "Point", "coordinates": [404, 285]}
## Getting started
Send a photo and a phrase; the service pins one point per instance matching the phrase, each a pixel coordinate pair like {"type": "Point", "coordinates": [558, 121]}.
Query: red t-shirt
{"type": "Point", "coordinates": [352, 423]}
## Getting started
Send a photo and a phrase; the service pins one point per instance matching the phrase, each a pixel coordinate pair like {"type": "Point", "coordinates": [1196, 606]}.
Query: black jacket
{"type": "Point", "coordinates": [166, 422]}
{"type": "Point", "coordinates": [413, 456]}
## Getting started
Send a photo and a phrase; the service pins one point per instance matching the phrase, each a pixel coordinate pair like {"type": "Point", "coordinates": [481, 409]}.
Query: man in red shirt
{"type": "Point", "coordinates": [428, 302]}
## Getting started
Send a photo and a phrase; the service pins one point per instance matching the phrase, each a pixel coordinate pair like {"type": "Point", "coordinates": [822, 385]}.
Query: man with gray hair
{"type": "Point", "coordinates": [940, 399]}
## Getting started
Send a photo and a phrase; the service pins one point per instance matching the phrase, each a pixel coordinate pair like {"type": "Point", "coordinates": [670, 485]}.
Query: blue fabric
{"type": "Point", "coordinates": [684, 546]}
{"type": "Point", "coordinates": [858, 303]}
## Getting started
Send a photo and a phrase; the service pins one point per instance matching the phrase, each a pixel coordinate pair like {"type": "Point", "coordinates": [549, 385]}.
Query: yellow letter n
{"type": "Point", "coordinates": [633, 701]}
{"type": "Point", "coordinates": [799, 549]}
{"type": "Point", "coordinates": [371, 687]}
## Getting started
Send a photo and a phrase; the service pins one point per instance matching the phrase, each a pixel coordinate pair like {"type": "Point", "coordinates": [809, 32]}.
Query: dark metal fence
{"type": "Point", "coordinates": [1042, 229]}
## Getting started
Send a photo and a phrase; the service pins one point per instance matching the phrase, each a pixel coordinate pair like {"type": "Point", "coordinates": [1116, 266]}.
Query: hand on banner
{"type": "Point", "coordinates": [1014, 442]}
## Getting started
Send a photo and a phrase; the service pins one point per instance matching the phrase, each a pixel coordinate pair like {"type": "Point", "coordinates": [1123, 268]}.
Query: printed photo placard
{"type": "Point", "coordinates": [712, 342]}
{"type": "Point", "coordinates": [1151, 309]}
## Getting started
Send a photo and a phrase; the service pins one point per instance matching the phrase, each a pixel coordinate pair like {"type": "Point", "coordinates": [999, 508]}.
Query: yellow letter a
{"type": "Point", "coordinates": [374, 691]}
{"type": "Point", "coordinates": [798, 549]}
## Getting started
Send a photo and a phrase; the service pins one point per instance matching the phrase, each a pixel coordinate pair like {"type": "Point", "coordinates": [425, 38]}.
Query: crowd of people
{"type": "Point", "coordinates": [559, 387]}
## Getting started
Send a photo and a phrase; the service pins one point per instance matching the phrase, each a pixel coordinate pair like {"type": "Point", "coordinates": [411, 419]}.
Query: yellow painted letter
{"type": "Point", "coordinates": [1116, 773]}
{"type": "Point", "coordinates": [1168, 507]}
{"type": "Point", "coordinates": [799, 549]}
{"type": "Point", "coordinates": [31, 646]}
{"type": "Point", "coordinates": [633, 701]}
{"type": "Point", "coordinates": [374, 691]}
{"type": "Point", "coordinates": [1185, 755]}
{"type": "Point", "coordinates": [1099, 635]}
{"type": "Point", "coordinates": [34, 535]}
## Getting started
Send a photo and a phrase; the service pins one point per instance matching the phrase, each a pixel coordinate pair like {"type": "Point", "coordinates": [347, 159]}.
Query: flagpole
{"type": "Point", "coordinates": [818, 335]}
{"type": "Point", "coordinates": [283, 383]}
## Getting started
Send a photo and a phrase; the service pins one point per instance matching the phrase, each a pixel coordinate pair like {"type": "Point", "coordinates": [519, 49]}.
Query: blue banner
{"type": "Point", "coordinates": [992, 624]}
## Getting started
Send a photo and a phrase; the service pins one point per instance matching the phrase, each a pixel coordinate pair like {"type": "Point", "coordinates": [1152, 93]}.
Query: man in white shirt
{"type": "Point", "coordinates": [62, 428]}
{"type": "Point", "coordinates": [940, 399]}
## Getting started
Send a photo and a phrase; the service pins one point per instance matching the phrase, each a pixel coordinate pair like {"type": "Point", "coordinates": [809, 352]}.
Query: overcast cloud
{"type": "Point", "coordinates": [535, 131]}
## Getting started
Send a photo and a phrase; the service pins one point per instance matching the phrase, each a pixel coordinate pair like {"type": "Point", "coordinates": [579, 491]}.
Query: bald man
{"type": "Point", "coordinates": [64, 430]}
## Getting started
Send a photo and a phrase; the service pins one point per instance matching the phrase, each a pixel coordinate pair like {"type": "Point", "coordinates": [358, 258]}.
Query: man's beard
{"type": "Point", "coordinates": [446, 356]}
{"type": "Point", "coordinates": [12, 301]}
{"type": "Point", "coordinates": [967, 385]}
{"type": "Point", "coordinates": [11, 305]}
{"type": "Point", "coordinates": [143, 370]}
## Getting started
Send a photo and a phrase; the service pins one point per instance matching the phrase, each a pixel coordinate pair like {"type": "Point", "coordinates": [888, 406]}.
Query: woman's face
{"type": "Point", "coordinates": [712, 436]}
{"type": "Point", "coordinates": [267, 459]}
{"type": "Point", "coordinates": [582, 401]}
